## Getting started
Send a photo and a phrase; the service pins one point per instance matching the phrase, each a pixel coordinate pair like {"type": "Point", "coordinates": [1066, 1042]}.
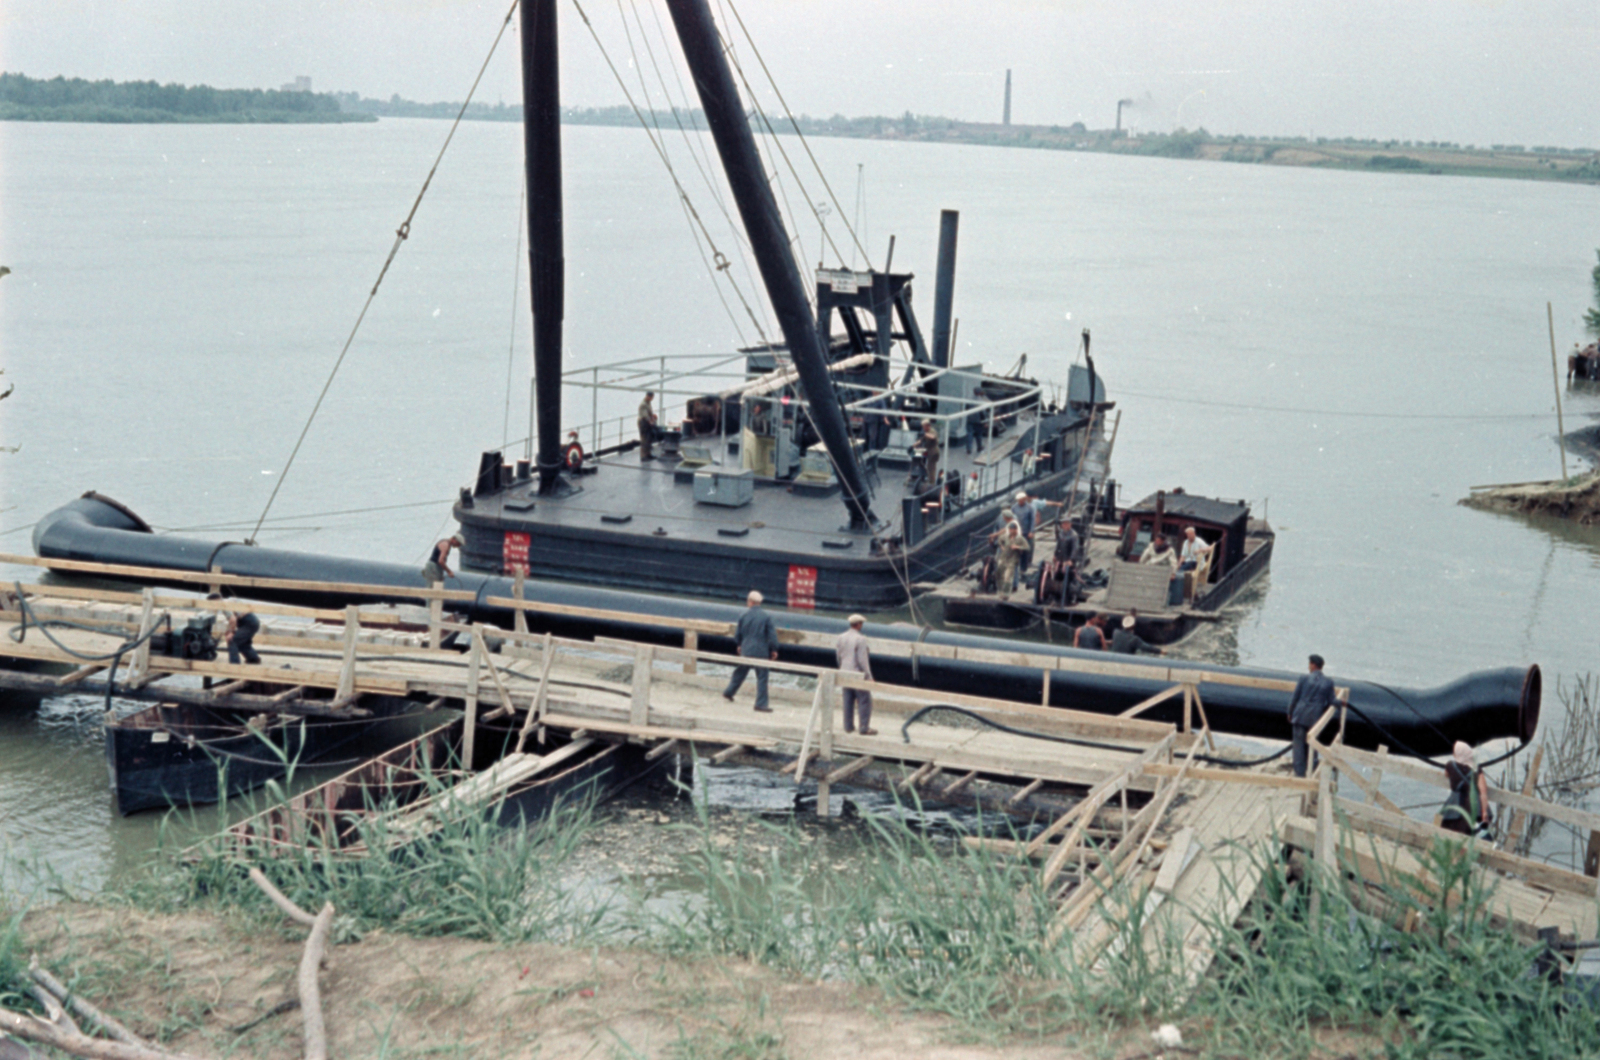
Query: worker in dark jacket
{"type": "Point", "coordinates": [1313, 694]}
{"type": "Point", "coordinates": [756, 638]}
{"type": "Point", "coordinates": [1126, 642]}
{"type": "Point", "coordinates": [239, 629]}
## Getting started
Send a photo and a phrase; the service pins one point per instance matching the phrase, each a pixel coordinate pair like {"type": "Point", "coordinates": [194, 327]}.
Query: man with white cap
{"type": "Point", "coordinates": [437, 569]}
{"type": "Point", "coordinates": [1127, 642]}
{"type": "Point", "coordinates": [755, 637]}
{"type": "Point", "coordinates": [854, 659]}
{"type": "Point", "coordinates": [1313, 694]}
{"type": "Point", "coordinates": [1467, 809]}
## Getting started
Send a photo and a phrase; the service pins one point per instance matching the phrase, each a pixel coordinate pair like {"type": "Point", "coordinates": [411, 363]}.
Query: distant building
{"type": "Point", "coordinates": [299, 84]}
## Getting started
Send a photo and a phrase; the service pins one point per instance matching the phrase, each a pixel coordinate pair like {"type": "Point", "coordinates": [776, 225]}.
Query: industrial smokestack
{"type": "Point", "coordinates": [1120, 104]}
{"type": "Point", "coordinates": [1007, 120]}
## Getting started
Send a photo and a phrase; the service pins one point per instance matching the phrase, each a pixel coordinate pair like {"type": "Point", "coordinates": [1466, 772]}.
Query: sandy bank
{"type": "Point", "coordinates": [187, 979]}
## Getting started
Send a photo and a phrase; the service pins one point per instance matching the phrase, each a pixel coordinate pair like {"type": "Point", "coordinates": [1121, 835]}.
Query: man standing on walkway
{"type": "Point", "coordinates": [854, 659]}
{"type": "Point", "coordinates": [647, 425]}
{"type": "Point", "coordinates": [756, 638]}
{"type": "Point", "coordinates": [1313, 694]}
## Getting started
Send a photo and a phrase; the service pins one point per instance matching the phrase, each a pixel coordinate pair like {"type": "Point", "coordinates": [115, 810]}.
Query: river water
{"type": "Point", "coordinates": [1349, 351]}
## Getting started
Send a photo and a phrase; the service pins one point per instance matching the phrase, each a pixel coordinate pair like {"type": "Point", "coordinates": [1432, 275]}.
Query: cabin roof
{"type": "Point", "coordinates": [1192, 506]}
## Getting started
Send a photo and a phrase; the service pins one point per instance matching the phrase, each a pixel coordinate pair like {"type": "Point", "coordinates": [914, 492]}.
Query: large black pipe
{"type": "Point", "coordinates": [541, 140]}
{"type": "Point", "coordinates": [719, 98]}
{"type": "Point", "coordinates": [944, 291]}
{"type": "Point", "coordinates": [1487, 705]}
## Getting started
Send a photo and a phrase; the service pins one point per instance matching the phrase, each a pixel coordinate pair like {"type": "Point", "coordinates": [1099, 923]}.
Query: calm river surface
{"type": "Point", "coordinates": [1349, 351]}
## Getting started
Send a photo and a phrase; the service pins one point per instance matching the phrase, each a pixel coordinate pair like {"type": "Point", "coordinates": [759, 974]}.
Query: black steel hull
{"type": "Point", "coordinates": [1479, 707]}
{"type": "Point", "coordinates": [167, 756]}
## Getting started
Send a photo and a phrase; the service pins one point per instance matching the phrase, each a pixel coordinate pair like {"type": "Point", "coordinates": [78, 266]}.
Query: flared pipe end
{"type": "Point", "coordinates": [1528, 705]}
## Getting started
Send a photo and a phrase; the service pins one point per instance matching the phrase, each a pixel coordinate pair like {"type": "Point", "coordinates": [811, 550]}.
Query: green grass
{"type": "Point", "coordinates": [964, 934]}
{"type": "Point", "coordinates": [470, 878]}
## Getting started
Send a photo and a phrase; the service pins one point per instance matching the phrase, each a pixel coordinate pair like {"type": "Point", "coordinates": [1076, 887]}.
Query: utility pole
{"type": "Point", "coordinates": [1555, 377]}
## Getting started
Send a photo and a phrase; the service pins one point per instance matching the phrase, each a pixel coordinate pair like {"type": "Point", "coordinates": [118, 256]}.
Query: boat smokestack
{"type": "Point", "coordinates": [944, 290]}
{"type": "Point", "coordinates": [541, 138]}
{"type": "Point", "coordinates": [736, 146]}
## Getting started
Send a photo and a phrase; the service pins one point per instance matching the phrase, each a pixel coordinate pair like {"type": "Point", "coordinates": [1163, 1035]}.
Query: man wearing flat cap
{"type": "Point", "coordinates": [853, 659]}
{"type": "Point", "coordinates": [1313, 694]}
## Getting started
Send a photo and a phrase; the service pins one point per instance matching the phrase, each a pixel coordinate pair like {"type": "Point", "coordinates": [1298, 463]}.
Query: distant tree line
{"type": "Point", "coordinates": [24, 98]}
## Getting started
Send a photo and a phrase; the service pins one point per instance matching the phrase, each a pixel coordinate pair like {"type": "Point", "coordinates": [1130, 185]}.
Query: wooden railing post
{"type": "Point", "coordinates": [347, 670]}
{"type": "Point", "coordinates": [140, 668]}
{"type": "Point", "coordinates": [435, 617]}
{"type": "Point", "coordinates": [643, 660]}
{"type": "Point", "coordinates": [469, 738]}
{"type": "Point", "coordinates": [825, 753]}
{"type": "Point", "coordinates": [519, 620]}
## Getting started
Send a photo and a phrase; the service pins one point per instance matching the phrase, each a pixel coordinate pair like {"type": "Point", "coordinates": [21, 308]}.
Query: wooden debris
{"type": "Point", "coordinates": [316, 1038]}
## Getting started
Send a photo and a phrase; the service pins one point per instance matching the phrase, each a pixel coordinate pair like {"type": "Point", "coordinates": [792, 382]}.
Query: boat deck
{"type": "Point", "coordinates": [1113, 809]}
{"type": "Point", "coordinates": [653, 502]}
{"type": "Point", "coordinates": [1132, 585]}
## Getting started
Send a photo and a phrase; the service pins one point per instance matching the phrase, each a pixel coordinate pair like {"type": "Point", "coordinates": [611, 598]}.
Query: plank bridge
{"type": "Point", "coordinates": [1118, 813]}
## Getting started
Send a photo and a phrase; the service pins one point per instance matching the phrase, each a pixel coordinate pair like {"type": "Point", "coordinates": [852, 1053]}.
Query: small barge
{"type": "Point", "coordinates": [174, 754]}
{"type": "Point", "coordinates": [1114, 582]}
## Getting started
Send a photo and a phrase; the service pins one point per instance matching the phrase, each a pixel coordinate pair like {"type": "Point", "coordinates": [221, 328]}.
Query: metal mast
{"type": "Point", "coordinates": [541, 137]}
{"type": "Point", "coordinates": [719, 97]}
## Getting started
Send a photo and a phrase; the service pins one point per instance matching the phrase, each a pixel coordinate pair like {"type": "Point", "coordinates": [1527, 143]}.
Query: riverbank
{"type": "Point", "coordinates": [191, 980]}
{"type": "Point", "coordinates": [758, 941]}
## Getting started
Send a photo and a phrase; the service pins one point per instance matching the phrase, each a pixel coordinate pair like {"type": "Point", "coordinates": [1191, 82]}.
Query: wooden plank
{"type": "Point", "coordinates": [619, 728]}
{"type": "Point", "coordinates": [1154, 701]}
{"type": "Point", "coordinates": [1519, 818]}
{"type": "Point", "coordinates": [958, 784]}
{"type": "Point", "coordinates": [663, 748]}
{"type": "Point", "coordinates": [1234, 776]}
{"type": "Point", "coordinates": [79, 674]}
{"type": "Point", "coordinates": [1370, 789]}
{"type": "Point", "coordinates": [1084, 812]}
{"type": "Point", "coordinates": [163, 574]}
{"type": "Point", "coordinates": [729, 752]}
{"type": "Point", "coordinates": [293, 692]}
{"type": "Point", "coordinates": [716, 629]}
{"type": "Point", "coordinates": [1399, 828]}
{"type": "Point", "coordinates": [1434, 776]}
{"type": "Point", "coordinates": [506, 705]}
{"type": "Point", "coordinates": [1031, 787]}
{"type": "Point", "coordinates": [849, 769]}
{"type": "Point", "coordinates": [922, 773]}
{"type": "Point", "coordinates": [541, 694]}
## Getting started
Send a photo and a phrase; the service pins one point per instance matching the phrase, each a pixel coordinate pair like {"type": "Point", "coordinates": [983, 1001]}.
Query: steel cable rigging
{"type": "Point", "coordinates": [400, 236]}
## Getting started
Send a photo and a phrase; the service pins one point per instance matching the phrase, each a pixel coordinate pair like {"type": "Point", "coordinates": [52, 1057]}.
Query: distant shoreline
{"type": "Point", "coordinates": [60, 99]}
{"type": "Point", "coordinates": [1581, 165]}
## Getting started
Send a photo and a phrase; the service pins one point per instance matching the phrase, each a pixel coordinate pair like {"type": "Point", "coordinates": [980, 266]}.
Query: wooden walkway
{"type": "Point", "coordinates": [1131, 816]}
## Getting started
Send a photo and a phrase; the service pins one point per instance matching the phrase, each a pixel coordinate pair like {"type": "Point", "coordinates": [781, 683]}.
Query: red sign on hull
{"type": "Point", "coordinates": [802, 587]}
{"type": "Point", "coordinates": [514, 552]}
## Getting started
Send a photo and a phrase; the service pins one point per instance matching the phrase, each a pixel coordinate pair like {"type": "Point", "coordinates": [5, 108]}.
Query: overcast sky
{"type": "Point", "coordinates": [1468, 71]}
